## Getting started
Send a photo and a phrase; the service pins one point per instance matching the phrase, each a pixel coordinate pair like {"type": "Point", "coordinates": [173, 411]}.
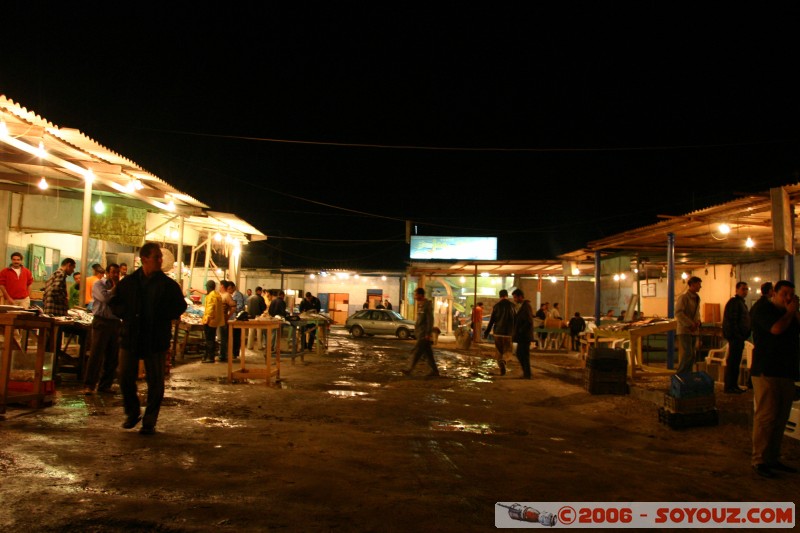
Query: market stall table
{"type": "Point", "coordinates": [272, 327]}
{"type": "Point", "coordinates": [11, 323]}
{"type": "Point", "coordinates": [636, 333]}
{"type": "Point", "coordinates": [298, 328]}
{"type": "Point", "coordinates": [181, 343]}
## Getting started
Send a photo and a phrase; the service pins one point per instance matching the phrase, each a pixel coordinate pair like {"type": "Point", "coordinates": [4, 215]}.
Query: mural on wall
{"type": "Point", "coordinates": [119, 223]}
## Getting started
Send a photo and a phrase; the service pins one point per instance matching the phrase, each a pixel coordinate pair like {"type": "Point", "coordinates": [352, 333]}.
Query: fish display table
{"type": "Point", "coordinates": [43, 329]}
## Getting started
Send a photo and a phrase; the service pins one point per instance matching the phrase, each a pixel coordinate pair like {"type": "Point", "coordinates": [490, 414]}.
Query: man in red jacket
{"type": "Point", "coordinates": [15, 282]}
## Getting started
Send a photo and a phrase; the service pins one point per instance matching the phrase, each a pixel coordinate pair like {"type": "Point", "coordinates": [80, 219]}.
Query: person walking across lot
{"type": "Point", "coordinates": [775, 368]}
{"type": "Point", "coordinates": [736, 330]}
{"type": "Point", "coordinates": [523, 331]}
{"type": "Point", "coordinates": [147, 302]}
{"type": "Point", "coordinates": [687, 313]}
{"type": "Point", "coordinates": [423, 331]}
{"type": "Point", "coordinates": [502, 322]}
{"type": "Point", "coordinates": [477, 321]}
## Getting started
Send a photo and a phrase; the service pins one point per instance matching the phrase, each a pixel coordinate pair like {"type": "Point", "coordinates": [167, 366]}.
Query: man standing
{"type": "Point", "coordinates": [523, 331]}
{"type": "Point", "coordinates": [255, 308]}
{"type": "Point", "coordinates": [98, 273]}
{"type": "Point", "coordinates": [541, 315]}
{"type": "Point", "coordinates": [502, 320]}
{"type": "Point", "coordinates": [277, 307]}
{"type": "Point", "coordinates": [56, 300]}
{"type": "Point", "coordinates": [423, 331]}
{"type": "Point", "coordinates": [576, 325]}
{"type": "Point", "coordinates": [477, 321]}
{"type": "Point", "coordinates": [105, 335]}
{"type": "Point", "coordinates": [15, 282]}
{"type": "Point", "coordinates": [213, 318]}
{"type": "Point", "coordinates": [736, 330]}
{"type": "Point", "coordinates": [387, 304]}
{"type": "Point", "coordinates": [775, 368]}
{"type": "Point", "coordinates": [123, 270]}
{"type": "Point", "coordinates": [310, 304]}
{"type": "Point", "coordinates": [147, 301]}
{"type": "Point", "coordinates": [687, 313]}
{"type": "Point", "coordinates": [239, 300]}
{"type": "Point", "coordinates": [75, 291]}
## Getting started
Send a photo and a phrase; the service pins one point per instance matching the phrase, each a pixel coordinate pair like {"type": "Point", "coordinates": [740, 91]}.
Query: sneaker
{"type": "Point", "coordinates": [147, 430]}
{"type": "Point", "coordinates": [763, 470]}
{"type": "Point", "coordinates": [131, 422]}
{"type": "Point", "coordinates": [777, 465]}
{"type": "Point", "coordinates": [502, 365]}
{"type": "Point", "coordinates": [88, 392]}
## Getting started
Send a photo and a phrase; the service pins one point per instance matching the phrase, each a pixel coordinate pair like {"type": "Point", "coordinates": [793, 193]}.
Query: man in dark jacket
{"type": "Point", "coordinates": [576, 325]}
{"type": "Point", "coordinates": [523, 331]}
{"type": "Point", "coordinates": [310, 304]}
{"type": "Point", "coordinates": [736, 330]}
{"type": "Point", "coordinates": [147, 302]}
{"type": "Point", "coordinates": [502, 319]}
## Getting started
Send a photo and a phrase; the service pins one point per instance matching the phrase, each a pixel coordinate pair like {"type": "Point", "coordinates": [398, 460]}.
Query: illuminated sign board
{"type": "Point", "coordinates": [477, 248]}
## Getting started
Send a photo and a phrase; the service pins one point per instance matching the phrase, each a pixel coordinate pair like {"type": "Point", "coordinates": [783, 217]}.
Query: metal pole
{"type": "Point", "coordinates": [671, 298]}
{"type": "Point", "coordinates": [597, 291]}
{"type": "Point", "coordinates": [87, 220]}
{"type": "Point", "coordinates": [179, 259]}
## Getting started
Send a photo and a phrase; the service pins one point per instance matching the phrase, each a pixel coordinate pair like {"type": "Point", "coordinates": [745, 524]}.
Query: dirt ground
{"type": "Point", "coordinates": [346, 442]}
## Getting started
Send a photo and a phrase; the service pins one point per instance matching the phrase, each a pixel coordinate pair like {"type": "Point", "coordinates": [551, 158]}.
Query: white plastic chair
{"type": "Point", "coordinates": [720, 356]}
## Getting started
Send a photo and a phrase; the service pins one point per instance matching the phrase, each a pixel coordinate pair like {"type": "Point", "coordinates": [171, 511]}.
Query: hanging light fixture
{"type": "Point", "coordinates": [43, 185]}
{"type": "Point", "coordinates": [99, 206]}
{"type": "Point", "coordinates": [749, 243]}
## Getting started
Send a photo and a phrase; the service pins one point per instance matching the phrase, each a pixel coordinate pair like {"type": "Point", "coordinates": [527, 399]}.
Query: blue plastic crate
{"type": "Point", "coordinates": [691, 385]}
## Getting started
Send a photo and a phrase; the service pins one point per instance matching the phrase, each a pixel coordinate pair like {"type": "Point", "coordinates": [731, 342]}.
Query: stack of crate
{"type": "Point", "coordinates": [690, 402]}
{"type": "Point", "coordinates": [606, 371]}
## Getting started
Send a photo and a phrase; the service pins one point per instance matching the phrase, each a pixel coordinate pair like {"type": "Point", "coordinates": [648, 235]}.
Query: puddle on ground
{"type": "Point", "coordinates": [458, 425]}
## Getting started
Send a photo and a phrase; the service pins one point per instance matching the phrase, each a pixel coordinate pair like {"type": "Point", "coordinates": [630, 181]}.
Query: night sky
{"type": "Point", "coordinates": [327, 127]}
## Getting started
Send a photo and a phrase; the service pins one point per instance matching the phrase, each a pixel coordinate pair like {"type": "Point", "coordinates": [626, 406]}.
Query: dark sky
{"type": "Point", "coordinates": [327, 127]}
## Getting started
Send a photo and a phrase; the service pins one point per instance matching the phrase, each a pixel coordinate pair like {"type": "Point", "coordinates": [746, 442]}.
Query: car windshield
{"type": "Point", "coordinates": [395, 315]}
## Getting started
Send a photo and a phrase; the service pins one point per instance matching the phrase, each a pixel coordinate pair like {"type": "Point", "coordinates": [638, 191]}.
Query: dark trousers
{"type": "Point", "coordinates": [732, 364]}
{"type": "Point", "coordinates": [237, 342]}
{"type": "Point", "coordinates": [524, 357]}
{"type": "Point", "coordinates": [104, 353]}
{"type": "Point", "coordinates": [223, 342]}
{"type": "Point", "coordinates": [312, 334]}
{"type": "Point", "coordinates": [424, 349]}
{"type": "Point", "coordinates": [211, 342]}
{"type": "Point", "coordinates": [155, 369]}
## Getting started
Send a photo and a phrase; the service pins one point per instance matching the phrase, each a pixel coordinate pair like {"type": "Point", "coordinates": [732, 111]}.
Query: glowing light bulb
{"type": "Point", "coordinates": [749, 243]}
{"type": "Point", "coordinates": [684, 275]}
{"type": "Point", "coordinates": [43, 183]}
{"type": "Point", "coordinates": [616, 277]}
{"type": "Point", "coordinates": [99, 206]}
{"type": "Point", "coordinates": [724, 228]}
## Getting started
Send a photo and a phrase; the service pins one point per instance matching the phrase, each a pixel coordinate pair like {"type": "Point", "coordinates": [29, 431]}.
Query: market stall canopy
{"type": "Point", "coordinates": [542, 268]}
{"type": "Point", "coordinates": [33, 149]}
{"type": "Point", "coordinates": [748, 229]}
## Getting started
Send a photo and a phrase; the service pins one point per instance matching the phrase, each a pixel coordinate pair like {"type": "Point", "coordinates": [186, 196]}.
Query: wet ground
{"type": "Point", "coordinates": [347, 443]}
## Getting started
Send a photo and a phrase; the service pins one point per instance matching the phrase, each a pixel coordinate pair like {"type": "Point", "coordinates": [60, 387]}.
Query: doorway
{"type": "Point", "coordinates": [338, 306]}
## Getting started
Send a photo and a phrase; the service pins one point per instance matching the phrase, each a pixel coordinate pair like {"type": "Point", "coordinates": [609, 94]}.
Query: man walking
{"type": "Point", "coordinates": [502, 320]}
{"type": "Point", "coordinates": [687, 313]}
{"type": "Point", "coordinates": [523, 331]}
{"type": "Point", "coordinates": [105, 335]}
{"type": "Point", "coordinates": [477, 321]}
{"type": "Point", "coordinates": [736, 330]}
{"type": "Point", "coordinates": [775, 368]}
{"type": "Point", "coordinates": [147, 301]}
{"type": "Point", "coordinates": [15, 283]}
{"type": "Point", "coordinates": [423, 331]}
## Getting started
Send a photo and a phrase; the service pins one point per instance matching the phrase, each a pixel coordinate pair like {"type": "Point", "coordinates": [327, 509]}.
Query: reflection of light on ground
{"type": "Point", "coordinates": [458, 425]}
{"type": "Point", "coordinates": [346, 393]}
{"type": "Point", "coordinates": [216, 422]}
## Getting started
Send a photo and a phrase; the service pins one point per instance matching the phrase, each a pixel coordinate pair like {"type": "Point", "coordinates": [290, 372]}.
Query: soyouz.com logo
{"type": "Point", "coordinates": [645, 514]}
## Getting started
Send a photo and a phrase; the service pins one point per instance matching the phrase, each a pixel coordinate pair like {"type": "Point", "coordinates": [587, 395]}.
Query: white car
{"type": "Point", "coordinates": [379, 322]}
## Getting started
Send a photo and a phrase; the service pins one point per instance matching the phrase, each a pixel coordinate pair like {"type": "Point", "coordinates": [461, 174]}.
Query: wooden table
{"type": "Point", "coordinates": [298, 328]}
{"type": "Point", "coordinates": [27, 322]}
{"type": "Point", "coordinates": [273, 326]}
